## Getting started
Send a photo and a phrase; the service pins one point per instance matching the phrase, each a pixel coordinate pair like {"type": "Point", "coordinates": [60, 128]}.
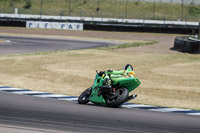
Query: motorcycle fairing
{"type": "Point", "coordinates": [95, 97]}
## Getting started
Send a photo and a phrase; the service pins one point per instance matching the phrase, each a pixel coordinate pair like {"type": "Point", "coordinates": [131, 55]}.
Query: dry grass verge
{"type": "Point", "coordinates": [167, 80]}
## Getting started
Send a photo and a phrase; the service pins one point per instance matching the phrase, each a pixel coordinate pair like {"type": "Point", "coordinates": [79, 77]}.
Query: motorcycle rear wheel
{"type": "Point", "coordinates": [122, 96]}
{"type": "Point", "coordinates": [84, 97]}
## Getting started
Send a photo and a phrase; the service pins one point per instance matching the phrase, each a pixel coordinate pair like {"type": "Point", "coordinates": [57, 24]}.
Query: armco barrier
{"type": "Point", "coordinates": [136, 27]}
{"type": "Point", "coordinates": [54, 25]}
{"type": "Point", "coordinates": [104, 24]}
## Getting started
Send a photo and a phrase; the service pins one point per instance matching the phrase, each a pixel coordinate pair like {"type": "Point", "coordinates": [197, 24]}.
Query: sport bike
{"type": "Point", "coordinates": [112, 95]}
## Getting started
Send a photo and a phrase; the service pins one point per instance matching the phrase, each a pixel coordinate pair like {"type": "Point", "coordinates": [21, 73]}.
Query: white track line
{"type": "Point", "coordinates": [168, 109]}
{"type": "Point", "coordinates": [50, 95]}
{"type": "Point", "coordinates": [28, 92]}
{"type": "Point", "coordinates": [135, 106]}
{"type": "Point", "coordinates": [69, 99]}
{"type": "Point", "coordinates": [198, 114]}
{"type": "Point", "coordinates": [7, 89]}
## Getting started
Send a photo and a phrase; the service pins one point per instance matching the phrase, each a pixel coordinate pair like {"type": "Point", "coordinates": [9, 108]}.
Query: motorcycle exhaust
{"type": "Point", "coordinates": [131, 97]}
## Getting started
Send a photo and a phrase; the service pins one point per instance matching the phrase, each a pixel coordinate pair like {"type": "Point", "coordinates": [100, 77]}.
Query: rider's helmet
{"type": "Point", "coordinates": [128, 67]}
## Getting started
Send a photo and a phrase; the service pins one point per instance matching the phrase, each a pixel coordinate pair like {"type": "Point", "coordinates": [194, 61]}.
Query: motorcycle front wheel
{"type": "Point", "coordinates": [84, 97]}
{"type": "Point", "coordinates": [121, 96]}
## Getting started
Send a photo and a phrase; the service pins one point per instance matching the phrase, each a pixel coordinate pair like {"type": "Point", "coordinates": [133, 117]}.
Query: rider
{"type": "Point", "coordinates": [126, 72]}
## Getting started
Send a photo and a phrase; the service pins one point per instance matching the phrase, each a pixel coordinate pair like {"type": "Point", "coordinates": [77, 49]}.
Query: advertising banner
{"type": "Point", "coordinates": [54, 25]}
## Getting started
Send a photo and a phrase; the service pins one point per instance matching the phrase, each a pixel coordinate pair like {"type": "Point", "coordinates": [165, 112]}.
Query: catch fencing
{"type": "Point", "coordinates": [186, 2]}
{"type": "Point", "coordinates": [167, 10]}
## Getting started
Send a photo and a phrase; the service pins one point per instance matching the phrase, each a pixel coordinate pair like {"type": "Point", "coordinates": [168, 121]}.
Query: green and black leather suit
{"type": "Point", "coordinates": [110, 75]}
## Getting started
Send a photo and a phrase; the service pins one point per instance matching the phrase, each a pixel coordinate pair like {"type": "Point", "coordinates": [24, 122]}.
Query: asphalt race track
{"type": "Point", "coordinates": [21, 45]}
{"type": "Point", "coordinates": [43, 113]}
{"type": "Point", "coordinates": [22, 112]}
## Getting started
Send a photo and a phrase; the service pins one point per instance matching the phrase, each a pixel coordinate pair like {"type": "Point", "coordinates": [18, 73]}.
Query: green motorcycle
{"type": "Point", "coordinates": [111, 88]}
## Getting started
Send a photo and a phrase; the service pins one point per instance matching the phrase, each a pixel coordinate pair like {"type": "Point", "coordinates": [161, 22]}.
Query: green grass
{"type": "Point", "coordinates": [136, 44]}
{"type": "Point", "coordinates": [127, 45]}
{"type": "Point", "coordinates": [107, 8]}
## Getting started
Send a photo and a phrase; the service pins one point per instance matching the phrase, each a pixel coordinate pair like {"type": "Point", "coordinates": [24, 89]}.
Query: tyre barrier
{"type": "Point", "coordinates": [184, 44]}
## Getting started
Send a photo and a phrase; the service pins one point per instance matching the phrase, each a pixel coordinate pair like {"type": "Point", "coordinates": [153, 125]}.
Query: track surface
{"type": "Point", "coordinates": [41, 113]}
{"type": "Point", "coordinates": [20, 45]}
{"type": "Point", "coordinates": [27, 111]}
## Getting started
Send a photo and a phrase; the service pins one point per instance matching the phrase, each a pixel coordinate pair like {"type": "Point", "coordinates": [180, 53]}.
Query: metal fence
{"type": "Point", "coordinates": [182, 10]}
{"type": "Point", "coordinates": [186, 2]}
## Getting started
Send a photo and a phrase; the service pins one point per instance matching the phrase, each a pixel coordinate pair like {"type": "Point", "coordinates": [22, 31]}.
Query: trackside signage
{"type": "Point", "coordinates": [54, 25]}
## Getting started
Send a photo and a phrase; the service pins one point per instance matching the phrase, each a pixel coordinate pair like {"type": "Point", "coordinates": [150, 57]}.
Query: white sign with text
{"type": "Point", "coordinates": [54, 25]}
